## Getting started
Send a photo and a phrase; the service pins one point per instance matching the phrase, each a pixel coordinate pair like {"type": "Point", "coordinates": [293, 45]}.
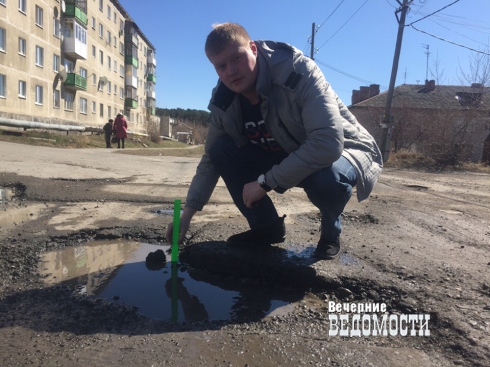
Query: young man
{"type": "Point", "coordinates": [277, 124]}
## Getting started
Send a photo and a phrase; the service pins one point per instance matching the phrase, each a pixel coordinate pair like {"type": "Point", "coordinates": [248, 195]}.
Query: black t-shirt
{"type": "Point", "coordinates": [254, 126]}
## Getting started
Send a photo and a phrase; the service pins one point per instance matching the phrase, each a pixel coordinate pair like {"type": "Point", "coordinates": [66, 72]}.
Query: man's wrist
{"type": "Point", "coordinates": [261, 182]}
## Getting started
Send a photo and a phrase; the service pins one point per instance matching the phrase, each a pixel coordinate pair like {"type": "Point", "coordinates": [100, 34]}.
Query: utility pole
{"type": "Point", "coordinates": [427, 67]}
{"type": "Point", "coordinates": [387, 121]}
{"type": "Point", "coordinates": [312, 52]}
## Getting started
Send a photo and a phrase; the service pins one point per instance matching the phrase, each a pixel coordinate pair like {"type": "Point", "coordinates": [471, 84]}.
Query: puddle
{"type": "Point", "coordinates": [3, 196]}
{"type": "Point", "coordinates": [307, 253]}
{"type": "Point", "coordinates": [117, 271]}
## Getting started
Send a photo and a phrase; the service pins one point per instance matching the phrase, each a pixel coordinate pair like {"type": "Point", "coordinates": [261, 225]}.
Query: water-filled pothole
{"type": "Point", "coordinates": [117, 271]}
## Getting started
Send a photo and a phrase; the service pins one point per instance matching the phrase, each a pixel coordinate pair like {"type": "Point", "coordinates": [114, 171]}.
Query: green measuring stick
{"type": "Point", "coordinates": [176, 232]}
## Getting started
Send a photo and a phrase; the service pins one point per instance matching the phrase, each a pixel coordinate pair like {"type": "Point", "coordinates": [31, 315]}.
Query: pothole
{"type": "Point", "coordinates": [117, 271]}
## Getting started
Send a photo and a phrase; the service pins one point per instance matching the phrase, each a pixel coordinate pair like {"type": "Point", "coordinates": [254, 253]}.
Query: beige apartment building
{"type": "Point", "coordinates": [74, 63]}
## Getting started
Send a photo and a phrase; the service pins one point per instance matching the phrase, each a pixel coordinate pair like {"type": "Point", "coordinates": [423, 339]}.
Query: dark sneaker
{"type": "Point", "coordinates": [327, 250]}
{"type": "Point", "coordinates": [274, 233]}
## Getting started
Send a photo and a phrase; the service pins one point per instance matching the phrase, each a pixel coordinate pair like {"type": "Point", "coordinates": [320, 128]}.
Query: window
{"type": "Point", "coordinates": [115, 66]}
{"type": "Point", "coordinates": [93, 23]}
{"type": "Point", "coordinates": [101, 30]}
{"type": "Point", "coordinates": [83, 106]}
{"type": "Point", "coordinates": [121, 48]}
{"type": "Point", "coordinates": [109, 111]}
{"type": "Point", "coordinates": [121, 71]}
{"type": "Point", "coordinates": [101, 110]}
{"type": "Point", "coordinates": [56, 62]}
{"type": "Point", "coordinates": [22, 89]}
{"type": "Point", "coordinates": [23, 5]}
{"type": "Point", "coordinates": [3, 40]}
{"type": "Point", "coordinates": [39, 16]}
{"type": "Point", "coordinates": [3, 3]}
{"type": "Point", "coordinates": [94, 79]}
{"type": "Point", "coordinates": [121, 93]}
{"type": "Point", "coordinates": [115, 42]}
{"type": "Point", "coordinates": [39, 95]}
{"type": "Point", "coordinates": [109, 62]}
{"type": "Point", "coordinates": [109, 37]}
{"type": "Point", "coordinates": [109, 88]}
{"type": "Point", "coordinates": [101, 57]}
{"type": "Point", "coordinates": [115, 17]}
{"type": "Point", "coordinates": [56, 28]}
{"type": "Point", "coordinates": [22, 46]}
{"type": "Point", "coordinates": [115, 89]}
{"type": "Point", "coordinates": [80, 34]}
{"type": "Point", "coordinates": [56, 98]}
{"type": "Point", "coordinates": [94, 107]}
{"type": "Point", "coordinates": [3, 86]}
{"type": "Point", "coordinates": [94, 51]}
{"type": "Point", "coordinates": [69, 98]}
{"type": "Point", "coordinates": [69, 66]}
{"type": "Point", "coordinates": [83, 73]}
{"type": "Point", "coordinates": [109, 12]}
{"type": "Point", "coordinates": [101, 5]}
{"type": "Point", "coordinates": [39, 56]}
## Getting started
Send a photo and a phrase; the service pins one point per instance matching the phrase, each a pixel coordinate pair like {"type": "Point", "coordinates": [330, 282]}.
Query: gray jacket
{"type": "Point", "coordinates": [305, 117]}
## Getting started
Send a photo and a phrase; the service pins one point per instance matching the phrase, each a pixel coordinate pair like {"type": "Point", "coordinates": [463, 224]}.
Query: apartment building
{"type": "Point", "coordinates": [74, 62]}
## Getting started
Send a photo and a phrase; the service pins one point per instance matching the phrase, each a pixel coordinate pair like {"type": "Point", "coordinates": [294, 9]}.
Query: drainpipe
{"type": "Point", "coordinates": [38, 125]}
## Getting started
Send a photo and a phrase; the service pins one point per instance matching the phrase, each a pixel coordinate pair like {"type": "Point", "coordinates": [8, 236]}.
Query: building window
{"type": "Point", "coordinates": [69, 66]}
{"type": "Point", "coordinates": [22, 89]}
{"type": "Point", "coordinates": [3, 3]}
{"type": "Point", "coordinates": [39, 95]}
{"type": "Point", "coordinates": [115, 42]}
{"type": "Point", "coordinates": [80, 34]}
{"type": "Point", "coordinates": [109, 88]}
{"type": "Point", "coordinates": [22, 46]}
{"type": "Point", "coordinates": [109, 62]}
{"type": "Point", "coordinates": [23, 6]}
{"type": "Point", "coordinates": [3, 40]}
{"type": "Point", "coordinates": [121, 48]}
{"type": "Point", "coordinates": [69, 98]}
{"type": "Point", "coordinates": [101, 57]}
{"type": "Point", "coordinates": [56, 62]}
{"type": "Point", "coordinates": [94, 107]}
{"type": "Point", "coordinates": [109, 114]}
{"type": "Point", "coordinates": [115, 17]}
{"type": "Point", "coordinates": [115, 89]}
{"type": "Point", "coordinates": [109, 37]}
{"type": "Point", "coordinates": [101, 110]}
{"type": "Point", "coordinates": [39, 16]}
{"type": "Point", "coordinates": [121, 93]}
{"type": "Point", "coordinates": [3, 86]}
{"type": "Point", "coordinates": [93, 23]}
{"type": "Point", "coordinates": [101, 30]}
{"type": "Point", "coordinates": [56, 99]}
{"type": "Point", "coordinates": [121, 71]}
{"type": "Point", "coordinates": [115, 66]}
{"type": "Point", "coordinates": [94, 51]}
{"type": "Point", "coordinates": [56, 28]}
{"type": "Point", "coordinates": [39, 56]}
{"type": "Point", "coordinates": [83, 106]}
{"type": "Point", "coordinates": [94, 79]}
{"type": "Point", "coordinates": [109, 12]}
{"type": "Point", "coordinates": [101, 5]}
{"type": "Point", "coordinates": [83, 73]}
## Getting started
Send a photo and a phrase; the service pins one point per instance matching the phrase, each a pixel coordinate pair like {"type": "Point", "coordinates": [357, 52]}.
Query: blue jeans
{"type": "Point", "coordinates": [328, 189]}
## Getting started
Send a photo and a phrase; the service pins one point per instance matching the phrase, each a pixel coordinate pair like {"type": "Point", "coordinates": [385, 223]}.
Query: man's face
{"type": "Point", "coordinates": [236, 66]}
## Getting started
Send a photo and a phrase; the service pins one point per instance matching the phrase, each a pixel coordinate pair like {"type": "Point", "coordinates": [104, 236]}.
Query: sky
{"type": "Point", "coordinates": [354, 40]}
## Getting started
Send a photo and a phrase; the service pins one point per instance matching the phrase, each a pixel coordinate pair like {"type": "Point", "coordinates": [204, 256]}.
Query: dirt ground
{"type": "Point", "coordinates": [419, 244]}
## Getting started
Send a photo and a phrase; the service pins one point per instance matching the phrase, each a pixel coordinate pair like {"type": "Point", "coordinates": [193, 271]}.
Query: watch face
{"type": "Point", "coordinates": [261, 180]}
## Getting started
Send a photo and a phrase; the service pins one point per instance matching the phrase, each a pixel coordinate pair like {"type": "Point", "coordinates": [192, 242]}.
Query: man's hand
{"type": "Point", "coordinates": [252, 193]}
{"type": "Point", "coordinates": [185, 222]}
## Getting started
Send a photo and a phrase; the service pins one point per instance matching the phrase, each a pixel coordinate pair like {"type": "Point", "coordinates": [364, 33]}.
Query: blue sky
{"type": "Point", "coordinates": [356, 40]}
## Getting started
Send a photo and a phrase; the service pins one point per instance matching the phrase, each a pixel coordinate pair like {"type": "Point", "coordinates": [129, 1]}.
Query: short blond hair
{"type": "Point", "coordinates": [224, 34]}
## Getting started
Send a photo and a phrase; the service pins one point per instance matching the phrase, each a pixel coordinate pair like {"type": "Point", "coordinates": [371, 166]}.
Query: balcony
{"type": "Point", "coordinates": [151, 94]}
{"type": "Point", "coordinates": [151, 59]}
{"type": "Point", "coordinates": [130, 103]}
{"type": "Point", "coordinates": [130, 60]}
{"type": "Point", "coordinates": [151, 78]}
{"type": "Point", "coordinates": [73, 11]}
{"type": "Point", "coordinates": [75, 81]}
{"type": "Point", "coordinates": [131, 37]}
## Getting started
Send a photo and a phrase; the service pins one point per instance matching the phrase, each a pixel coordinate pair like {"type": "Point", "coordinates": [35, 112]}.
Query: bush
{"type": "Point", "coordinates": [153, 131]}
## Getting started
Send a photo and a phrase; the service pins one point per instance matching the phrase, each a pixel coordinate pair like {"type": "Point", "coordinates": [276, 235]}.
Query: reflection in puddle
{"type": "Point", "coordinates": [117, 271]}
{"type": "Point", "coordinates": [302, 252]}
{"type": "Point", "coordinates": [166, 211]}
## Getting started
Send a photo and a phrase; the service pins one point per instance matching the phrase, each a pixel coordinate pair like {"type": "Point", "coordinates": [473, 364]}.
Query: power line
{"type": "Point", "coordinates": [318, 49]}
{"type": "Point", "coordinates": [329, 15]}
{"type": "Point", "coordinates": [437, 11]}
{"type": "Point", "coordinates": [347, 74]}
{"type": "Point", "coordinates": [454, 43]}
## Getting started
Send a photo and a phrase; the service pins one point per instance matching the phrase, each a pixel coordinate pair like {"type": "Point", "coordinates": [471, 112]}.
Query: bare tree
{"type": "Point", "coordinates": [436, 72]}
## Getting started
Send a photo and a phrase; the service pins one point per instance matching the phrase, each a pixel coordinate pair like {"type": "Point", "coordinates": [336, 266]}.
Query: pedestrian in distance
{"type": "Point", "coordinates": [108, 131]}
{"type": "Point", "coordinates": [121, 127]}
{"type": "Point", "coordinates": [277, 124]}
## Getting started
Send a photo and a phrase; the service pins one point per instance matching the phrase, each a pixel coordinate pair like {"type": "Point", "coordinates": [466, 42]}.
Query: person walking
{"type": "Point", "coordinates": [120, 126]}
{"type": "Point", "coordinates": [108, 131]}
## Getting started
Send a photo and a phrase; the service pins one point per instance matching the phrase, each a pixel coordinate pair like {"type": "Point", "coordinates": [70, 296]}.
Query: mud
{"type": "Point", "coordinates": [419, 244]}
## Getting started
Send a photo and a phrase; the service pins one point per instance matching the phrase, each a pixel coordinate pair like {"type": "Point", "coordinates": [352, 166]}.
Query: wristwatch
{"type": "Point", "coordinates": [261, 182]}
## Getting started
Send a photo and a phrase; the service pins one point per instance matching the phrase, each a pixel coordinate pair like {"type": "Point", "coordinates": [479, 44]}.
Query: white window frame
{"type": "Point", "coordinates": [56, 62]}
{"type": "Point", "coordinates": [39, 16]}
{"type": "Point", "coordinates": [101, 57]}
{"type": "Point", "coordinates": [109, 111]}
{"type": "Point", "coordinates": [94, 23]}
{"type": "Point", "coordinates": [109, 13]}
{"type": "Point", "coordinates": [39, 56]}
{"type": "Point", "coordinates": [101, 5]}
{"type": "Point", "coordinates": [3, 39]}
{"type": "Point", "coordinates": [101, 30]}
{"type": "Point", "coordinates": [83, 105]}
{"type": "Point", "coordinates": [109, 62]}
{"type": "Point", "coordinates": [94, 79]}
{"type": "Point", "coordinates": [115, 66]}
{"type": "Point", "coordinates": [23, 6]}
{"type": "Point", "coordinates": [69, 101]}
{"type": "Point", "coordinates": [121, 93]}
{"type": "Point", "coordinates": [83, 72]}
{"type": "Point", "coordinates": [22, 89]}
{"type": "Point", "coordinates": [101, 107]}
{"type": "Point", "coordinates": [109, 37]}
{"type": "Point", "coordinates": [94, 51]}
{"type": "Point", "coordinates": [22, 46]}
{"type": "Point", "coordinates": [3, 2]}
{"type": "Point", "coordinates": [3, 86]}
{"type": "Point", "coordinates": [56, 27]}
{"type": "Point", "coordinates": [109, 87]}
{"type": "Point", "coordinates": [56, 98]}
{"type": "Point", "coordinates": [94, 107]}
{"type": "Point", "coordinates": [39, 95]}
